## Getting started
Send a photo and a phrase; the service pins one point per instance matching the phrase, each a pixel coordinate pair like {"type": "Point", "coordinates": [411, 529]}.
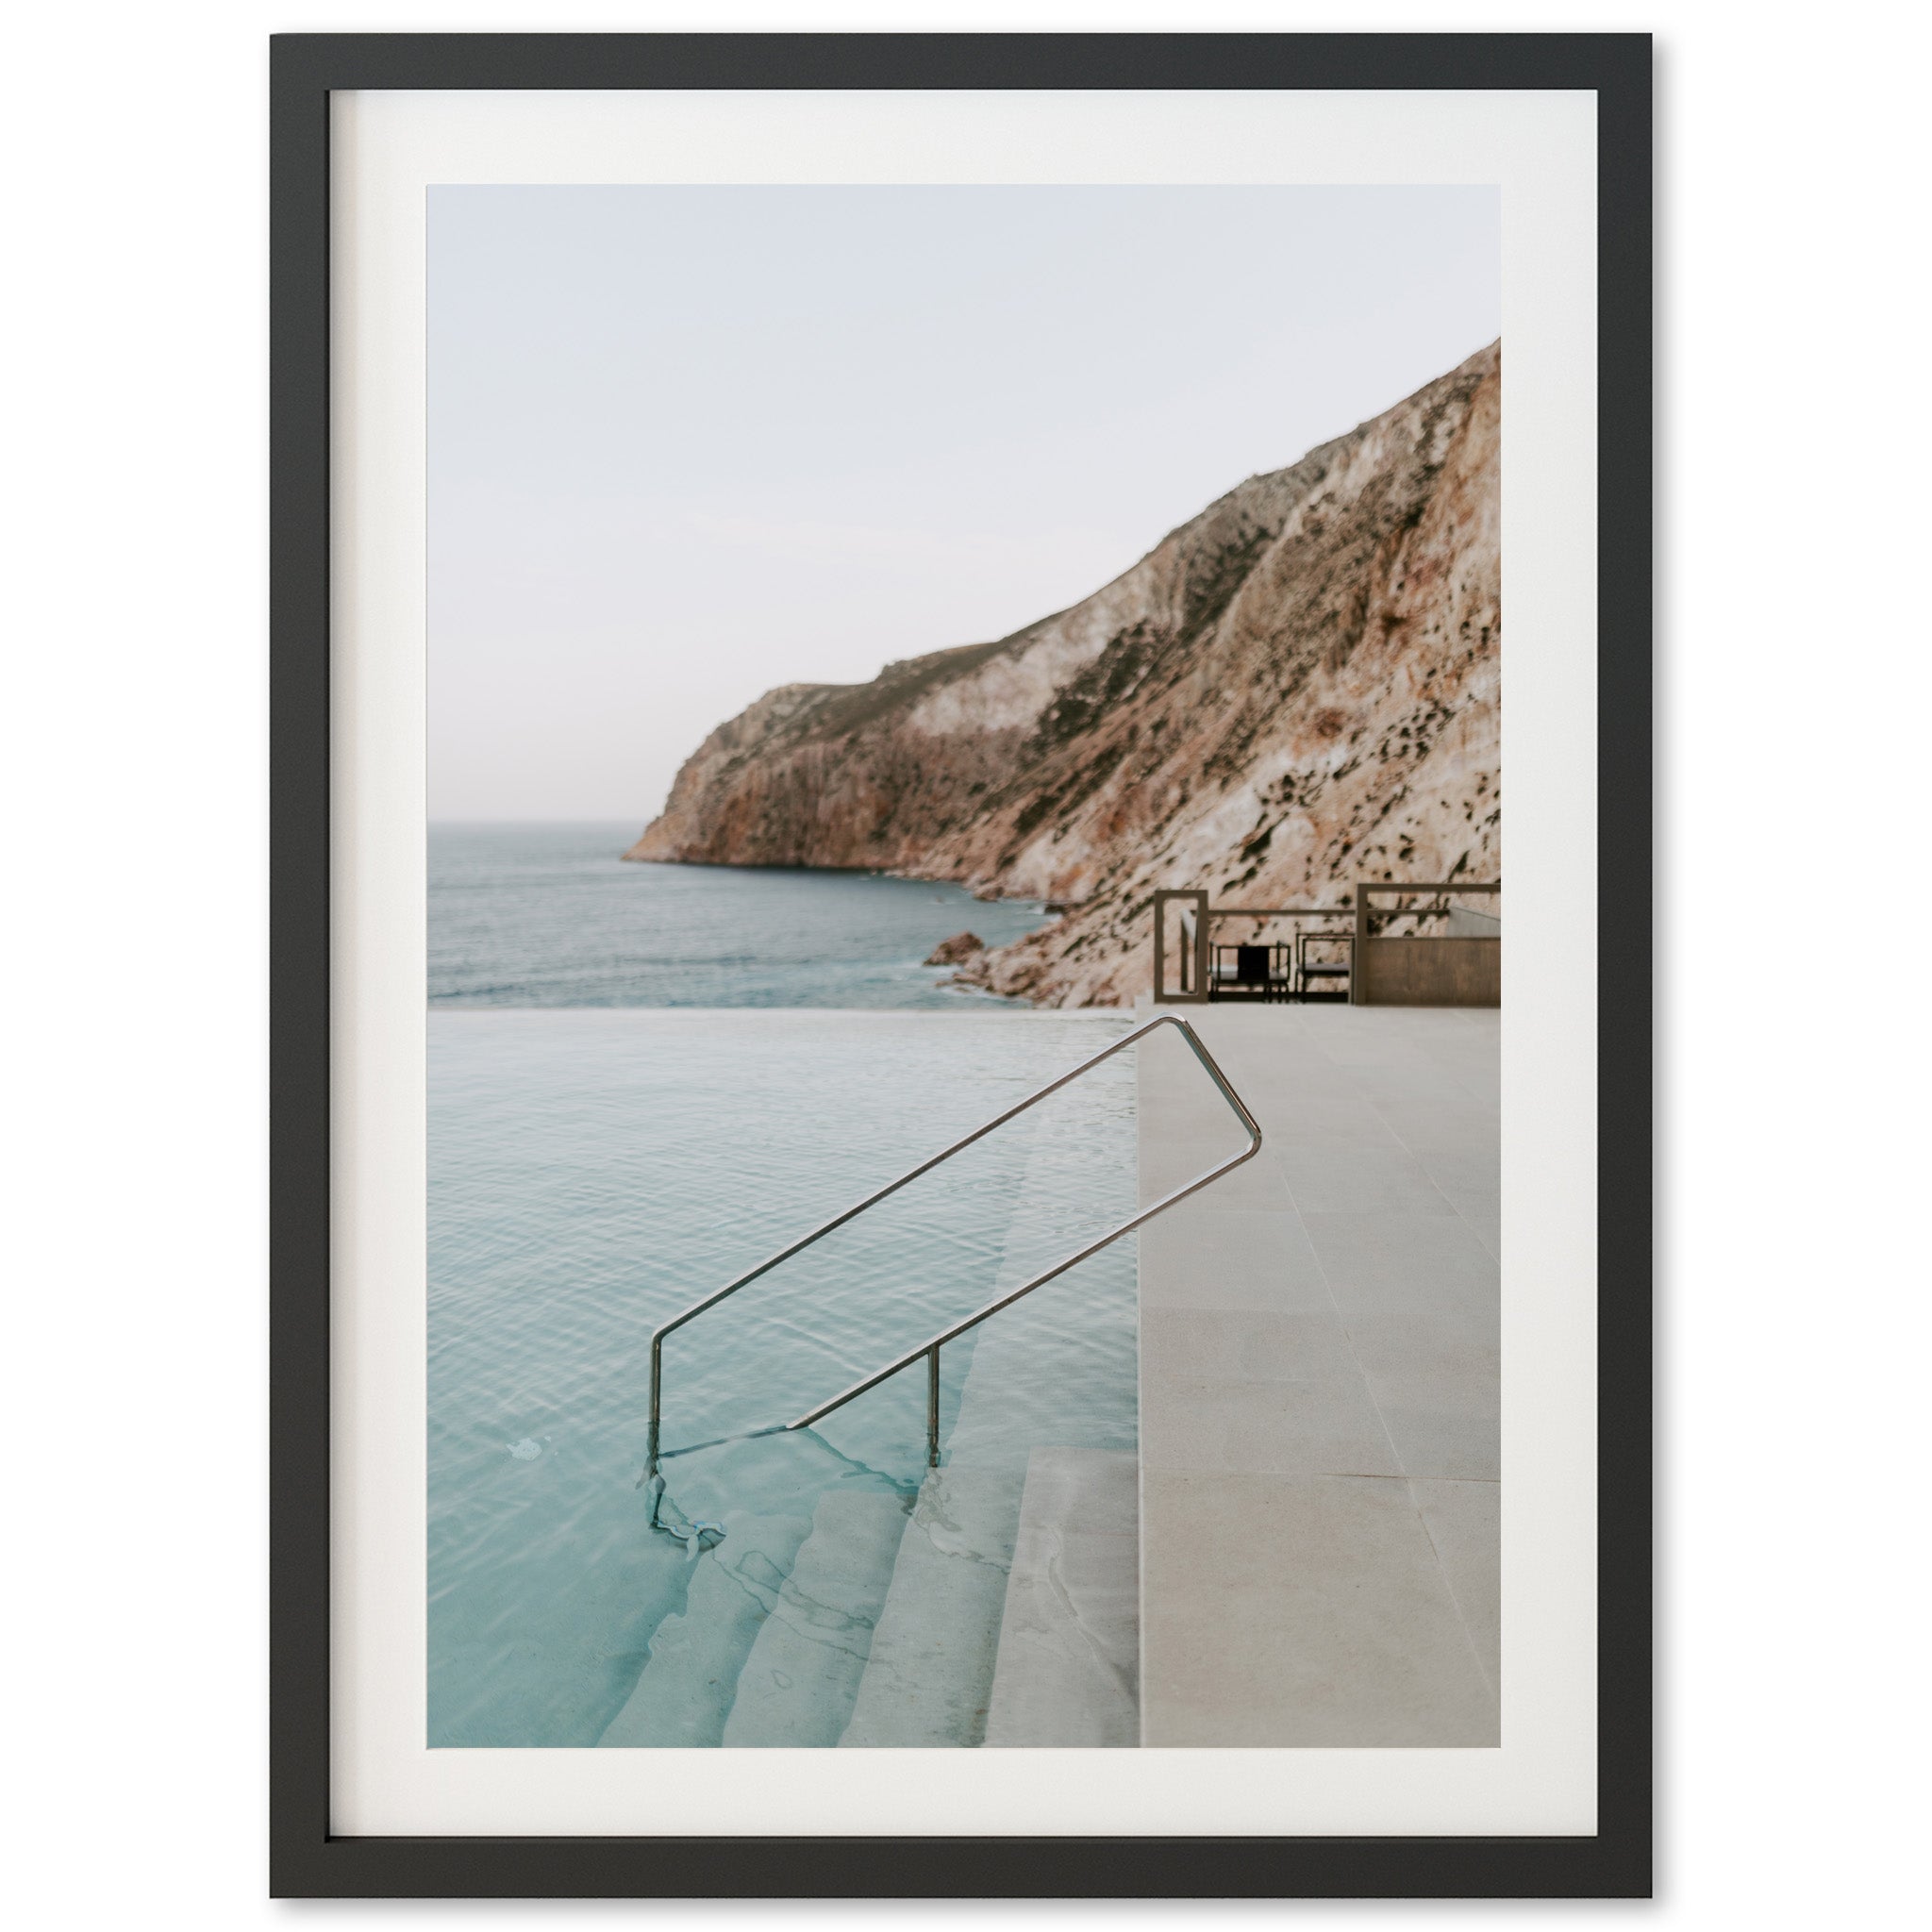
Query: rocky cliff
{"type": "Point", "coordinates": [1296, 689]}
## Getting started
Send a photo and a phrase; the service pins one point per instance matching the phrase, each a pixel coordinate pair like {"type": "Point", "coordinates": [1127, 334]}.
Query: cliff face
{"type": "Point", "coordinates": [1296, 689]}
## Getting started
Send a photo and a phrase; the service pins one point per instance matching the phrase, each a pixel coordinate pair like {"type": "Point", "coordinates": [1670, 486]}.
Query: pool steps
{"type": "Point", "coordinates": [928, 1680]}
{"type": "Point", "coordinates": [936, 1651]}
{"type": "Point", "coordinates": [884, 1628]}
{"type": "Point", "coordinates": [804, 1669]}
{"type": "Point", "coordinates": [1069, 1652]}
{"type": "Point", "coordinates": [690, 1677]}
{"type": "Point", "coordinates": [989, 1616]}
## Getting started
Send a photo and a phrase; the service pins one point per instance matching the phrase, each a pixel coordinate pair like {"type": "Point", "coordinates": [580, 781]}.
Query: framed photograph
{"type": "Point", "coordinates": [924, 1243]}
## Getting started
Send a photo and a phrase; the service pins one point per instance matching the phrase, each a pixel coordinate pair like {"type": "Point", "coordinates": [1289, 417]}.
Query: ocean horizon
{"type": "Point", "coordinates": [549, 914]}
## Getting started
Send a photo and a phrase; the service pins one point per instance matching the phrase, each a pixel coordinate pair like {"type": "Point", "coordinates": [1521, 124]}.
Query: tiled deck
{"type": "Point", "coordinates": [1319, 1382]}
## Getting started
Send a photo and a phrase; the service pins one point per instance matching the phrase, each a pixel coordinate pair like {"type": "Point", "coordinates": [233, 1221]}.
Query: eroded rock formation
{"type": "Point", "coordinates": [1296, 689]}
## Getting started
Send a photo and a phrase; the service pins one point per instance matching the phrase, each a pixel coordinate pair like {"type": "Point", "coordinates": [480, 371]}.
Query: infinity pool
{"type": "Point", "coordinates": [591, 1172]}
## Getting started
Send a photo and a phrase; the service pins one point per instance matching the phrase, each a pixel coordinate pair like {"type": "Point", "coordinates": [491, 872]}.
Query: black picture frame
{"type": "Point", "coordinates": [307, 1859]}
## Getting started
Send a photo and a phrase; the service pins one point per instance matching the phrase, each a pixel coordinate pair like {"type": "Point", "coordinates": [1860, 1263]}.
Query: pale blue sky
{"type": "Point", "coordinates": [687, 444]}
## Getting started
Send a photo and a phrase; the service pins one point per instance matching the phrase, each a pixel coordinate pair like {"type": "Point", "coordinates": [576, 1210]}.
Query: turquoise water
{"type": "Point", "coordinates": [642, 1080]}
{"type": "Point", "coordinates": [547, 915]}
{"type": "Point", "coordinates": [594, 1171]}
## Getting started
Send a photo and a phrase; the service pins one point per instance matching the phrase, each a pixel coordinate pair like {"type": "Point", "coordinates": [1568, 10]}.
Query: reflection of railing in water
{"type": "Point", "coordinates": [930, 1350]}
{"type": "Point", "coordinates": [1459, 969]}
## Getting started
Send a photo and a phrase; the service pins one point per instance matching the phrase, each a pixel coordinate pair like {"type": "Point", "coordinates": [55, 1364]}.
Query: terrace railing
{"type": "Point", "coordinates": [1459, 969]}
{"type": "Point", "coordinates": [1198, 961]}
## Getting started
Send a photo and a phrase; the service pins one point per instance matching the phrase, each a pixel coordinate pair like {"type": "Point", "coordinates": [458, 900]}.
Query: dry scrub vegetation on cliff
{"type": "Point", "coordinates": [1298, 689]}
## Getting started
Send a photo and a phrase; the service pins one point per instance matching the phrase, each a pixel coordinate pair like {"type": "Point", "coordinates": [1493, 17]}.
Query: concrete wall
{"type": "Point", "coordinates": [1430, 972]}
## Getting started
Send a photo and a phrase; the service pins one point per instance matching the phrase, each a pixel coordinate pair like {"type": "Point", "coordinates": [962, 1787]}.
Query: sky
{"type": "Point", "coordinates": [687, 444]}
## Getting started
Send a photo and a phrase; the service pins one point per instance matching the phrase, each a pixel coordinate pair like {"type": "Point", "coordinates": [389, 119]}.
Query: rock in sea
{"type": "Point", "coordinates": [962, 945]}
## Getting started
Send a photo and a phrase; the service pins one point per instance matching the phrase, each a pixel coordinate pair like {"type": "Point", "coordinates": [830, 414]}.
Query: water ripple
{"type": "Point", "coordinates": [593, 1172]}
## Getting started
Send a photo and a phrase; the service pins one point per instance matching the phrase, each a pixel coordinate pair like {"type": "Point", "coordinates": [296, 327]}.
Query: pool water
{"type": "Point", "coordinates": [594, 1171]}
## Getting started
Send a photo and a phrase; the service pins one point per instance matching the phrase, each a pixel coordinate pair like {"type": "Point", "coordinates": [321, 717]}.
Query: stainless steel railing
{"type": "Point", "coordinates": [930, 1350]}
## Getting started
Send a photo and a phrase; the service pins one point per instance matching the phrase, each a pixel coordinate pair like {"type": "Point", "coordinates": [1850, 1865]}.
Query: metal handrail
{"type": "Point", "coordinates": [931, 1349]}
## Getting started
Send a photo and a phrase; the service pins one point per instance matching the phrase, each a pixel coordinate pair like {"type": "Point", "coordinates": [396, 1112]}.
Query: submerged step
{"type": "Point", "coordinates": [696, 1653]}
{"type": "Point", "coordinates": [1058, 1365]}
{"type": "Point", "coordinates": [798, 1683]}
{"type": "Point", "coordinates": [930, 1673]}
{"type": "Point", "coordinates": [1068, 1672]}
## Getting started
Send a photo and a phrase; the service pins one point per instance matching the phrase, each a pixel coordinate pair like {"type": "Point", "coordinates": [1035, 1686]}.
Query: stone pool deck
{"type": "Point", "coordinates": [1319, 1465]}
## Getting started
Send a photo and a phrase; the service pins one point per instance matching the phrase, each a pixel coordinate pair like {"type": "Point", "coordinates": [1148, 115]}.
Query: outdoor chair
{"type": "Point", "coordinates": [1250, 976]}
{"type": "Point", "coordinates": [1310, 969]}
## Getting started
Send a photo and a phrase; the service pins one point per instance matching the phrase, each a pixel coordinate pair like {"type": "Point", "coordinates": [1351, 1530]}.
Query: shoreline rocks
{"type": "Point", "coordinates": [956, 950]}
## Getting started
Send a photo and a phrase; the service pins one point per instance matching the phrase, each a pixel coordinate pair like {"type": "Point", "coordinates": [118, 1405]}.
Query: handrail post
{"type": "Point", "coordinates": [932, 1406]}
{"type": "Point", "coordinates": [656, 1390]}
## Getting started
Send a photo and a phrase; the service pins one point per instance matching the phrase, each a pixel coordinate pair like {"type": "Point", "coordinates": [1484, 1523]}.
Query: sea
{"type": "Point", "coordinates": [643, 1080]}
{"type": "Point", "coordinates": [549, 915]}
